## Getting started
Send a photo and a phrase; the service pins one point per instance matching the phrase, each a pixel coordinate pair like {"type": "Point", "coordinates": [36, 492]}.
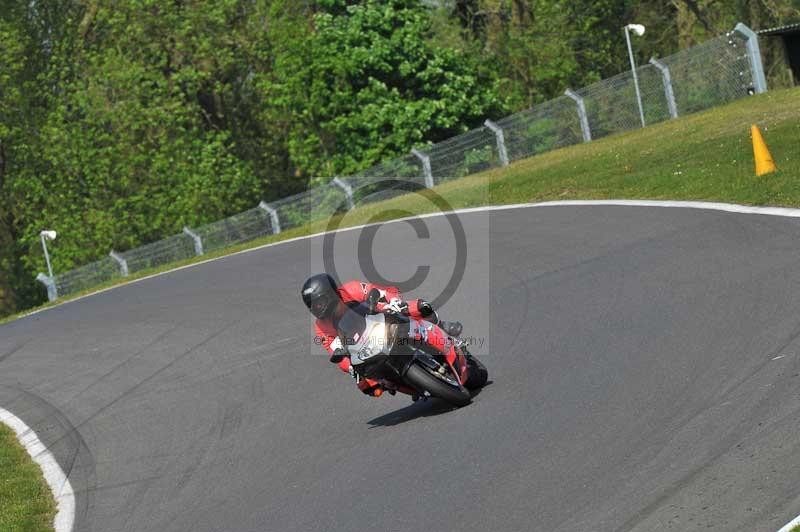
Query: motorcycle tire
{"type": "Point", "coordinates": [477, 373]}
{"type": "Point", "coordinates": [422, 379]}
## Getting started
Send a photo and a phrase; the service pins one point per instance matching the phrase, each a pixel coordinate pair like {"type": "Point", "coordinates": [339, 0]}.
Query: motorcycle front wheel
{"type": "Point", "coordinates": [478, 374]}
{"type": "Point", "coordinates": [423, 379]}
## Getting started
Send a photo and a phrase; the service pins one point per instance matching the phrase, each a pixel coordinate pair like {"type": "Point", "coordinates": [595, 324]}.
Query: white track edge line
{"type": "Point", "coordinates": [53, 474]}
{"type": "Point", "coordinates": [703, 205]}
{"type": "Point", "coordinates": [790, 525]}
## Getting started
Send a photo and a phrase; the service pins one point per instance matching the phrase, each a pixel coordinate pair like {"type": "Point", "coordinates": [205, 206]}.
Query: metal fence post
{"type": "Point", "coordinates": [50, 284]}
{"type": "Point", "coordinates": [754, 55]}
{"type": "Point", "coordinates": [198, 242]}
{"type": "Point", "coordinates": [587, 133]}
{"type": "Point", "coordinates": [426, 167]}
{"type": "Point", "coordinates": [501, 141]}
{"type": "Point", "coordinates": [273, 216]}
{"type": "Point", "coordinates": [348, 191]}
{"type": "Point", "coordinates": [123, 264]}
{"type": "Point", "coordinates": [668, 93]}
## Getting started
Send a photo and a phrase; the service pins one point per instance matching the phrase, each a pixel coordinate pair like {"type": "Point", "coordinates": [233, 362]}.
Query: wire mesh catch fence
{"type": "Point", "coordinates": [87, 276]}
{"type": "Point", "coordinates": [468, 153]}
{"type": "Point", "coordinates": [237, 229]}
{"type": "Point", "coordinates": [710, 74]}
{"type": "Point", "coordinates": [392, 178]}
{"type": "Point", "coordinates": [311, 206]}
{"type": "Point", "coordinates": [171, 249]}
{"type": "Point", "coordinates": [551, 125]}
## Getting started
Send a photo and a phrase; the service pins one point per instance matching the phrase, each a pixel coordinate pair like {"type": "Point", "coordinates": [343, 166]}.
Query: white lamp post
{"type": "Point", "coordinates": [47, 235]}
{"type": "Point", "coordinates": [638, 29]}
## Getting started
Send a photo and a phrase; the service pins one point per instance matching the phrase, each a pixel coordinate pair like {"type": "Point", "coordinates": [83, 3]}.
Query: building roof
{"type": "Point", "coordinates": [781, 30]}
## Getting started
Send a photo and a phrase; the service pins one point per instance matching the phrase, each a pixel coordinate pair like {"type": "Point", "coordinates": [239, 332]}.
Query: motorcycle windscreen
{"type": "Point", "coordinates": [365, 336]}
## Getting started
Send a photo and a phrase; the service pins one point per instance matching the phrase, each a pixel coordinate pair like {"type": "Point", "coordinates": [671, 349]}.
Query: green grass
{"type": "Point", "coordinates": [705, 156]}
{"type": "Point", "coordinates": [26, 502]}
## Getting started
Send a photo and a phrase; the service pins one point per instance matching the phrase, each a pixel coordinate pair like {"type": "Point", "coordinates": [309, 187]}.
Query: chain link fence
{"type": "Point", "coordinates": [247, 225]}
{"type": "Point", "coordinates": [551, 125]}
{"type": "Point", "coordinates": [87, 276]}
{"type": "Point", "coordinates": [710, 74]}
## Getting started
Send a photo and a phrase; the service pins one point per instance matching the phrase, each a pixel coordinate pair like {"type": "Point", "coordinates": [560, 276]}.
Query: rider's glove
{"type": "Point", "coordinates": [338, 355]}
{"type": "Point", "coordinates": [397, 305]}
{"type": "Point", "coordinates": [373, 298]}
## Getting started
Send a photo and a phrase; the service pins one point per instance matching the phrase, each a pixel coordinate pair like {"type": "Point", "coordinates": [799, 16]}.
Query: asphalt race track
{"type": "Point", "coordinates": [645, 368]}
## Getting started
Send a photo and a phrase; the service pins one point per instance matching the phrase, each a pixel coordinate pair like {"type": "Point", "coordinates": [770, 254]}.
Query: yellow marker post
{"type": "Point", "coordinates": [764, 162]}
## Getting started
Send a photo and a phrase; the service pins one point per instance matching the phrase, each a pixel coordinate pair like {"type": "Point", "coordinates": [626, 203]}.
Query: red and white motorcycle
{"type": "Point", "coordinates": [397, 354]}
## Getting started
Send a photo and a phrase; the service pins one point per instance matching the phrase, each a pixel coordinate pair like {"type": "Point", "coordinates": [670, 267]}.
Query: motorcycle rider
{"type": "Point", "coordinates": [328, 301]}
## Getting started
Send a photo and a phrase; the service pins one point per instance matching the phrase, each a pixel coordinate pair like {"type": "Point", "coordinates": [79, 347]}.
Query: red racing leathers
{"type": "Point", "coordinates": [356, 291]}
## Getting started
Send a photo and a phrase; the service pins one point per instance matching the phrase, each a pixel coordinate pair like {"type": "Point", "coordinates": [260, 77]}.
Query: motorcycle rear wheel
{"type": "Point", "coordinates": [422, 379]}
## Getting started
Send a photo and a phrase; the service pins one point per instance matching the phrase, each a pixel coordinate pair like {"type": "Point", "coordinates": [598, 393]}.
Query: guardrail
{"type": "Point", "coordinates": [710, 74]}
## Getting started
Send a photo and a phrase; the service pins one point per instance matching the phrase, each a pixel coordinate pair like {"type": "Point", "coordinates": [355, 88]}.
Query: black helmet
{"type": "Point", "coordinates": [320, 296]}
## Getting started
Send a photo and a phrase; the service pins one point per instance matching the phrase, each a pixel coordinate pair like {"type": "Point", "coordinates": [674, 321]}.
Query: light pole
{"type": "Point", "coordinates": [638, 29]}
{"type": "Point", "coordinates": [47, 235]}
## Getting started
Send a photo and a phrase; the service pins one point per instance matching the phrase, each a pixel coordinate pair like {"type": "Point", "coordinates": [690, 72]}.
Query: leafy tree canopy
{"type": "Point", "coordinates": [368, 84]}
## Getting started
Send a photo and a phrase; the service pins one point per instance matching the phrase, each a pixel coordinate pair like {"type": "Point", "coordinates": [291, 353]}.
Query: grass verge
{"type": "Point", "coordinates": [26, 502]}
{"type": "Point", "coordinates": [706, 156]}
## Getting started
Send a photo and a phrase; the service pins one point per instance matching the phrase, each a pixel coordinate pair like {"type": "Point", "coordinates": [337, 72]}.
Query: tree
{"type": "Point", "coordinates": [541, 47]}
{"type": "Point", "coordinates": [367, 85]}
{"type": "Point", "coordinates": [128, 136]}
{"type": "Point", "coordinates": [30, 32]}
{"type": "Point", "coordinates": [530, 41]}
